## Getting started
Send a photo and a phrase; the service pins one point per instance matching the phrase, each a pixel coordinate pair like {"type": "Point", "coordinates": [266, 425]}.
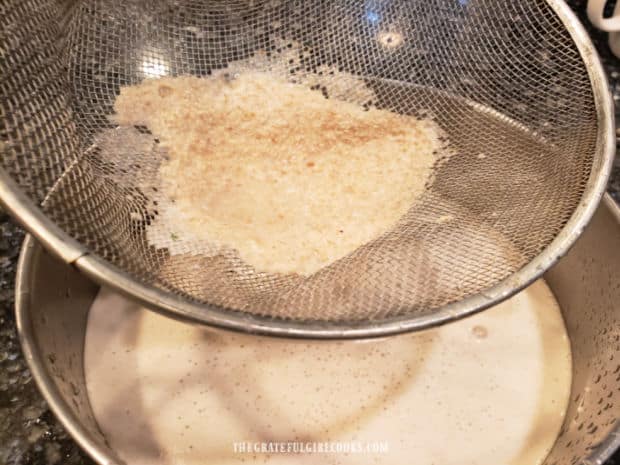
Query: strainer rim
{"type": "Point", "coordinates": [105, 273]}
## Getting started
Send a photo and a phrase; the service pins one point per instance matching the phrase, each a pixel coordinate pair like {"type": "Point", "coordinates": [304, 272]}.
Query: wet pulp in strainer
{"type": "Point", "coordinates": [290, 180]}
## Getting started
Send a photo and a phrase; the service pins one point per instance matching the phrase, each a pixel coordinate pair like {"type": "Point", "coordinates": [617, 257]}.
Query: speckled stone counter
{"type": "Point", "coordinates": [29, 433]}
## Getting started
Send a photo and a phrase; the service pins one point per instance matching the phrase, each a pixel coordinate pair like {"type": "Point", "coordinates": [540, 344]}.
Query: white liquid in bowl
{"type": "Point", "coordinates": [488, 390]}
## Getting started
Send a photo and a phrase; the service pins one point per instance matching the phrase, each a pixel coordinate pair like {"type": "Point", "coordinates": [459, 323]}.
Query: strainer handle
{"type": "Point", "coordinates": [595, 15]}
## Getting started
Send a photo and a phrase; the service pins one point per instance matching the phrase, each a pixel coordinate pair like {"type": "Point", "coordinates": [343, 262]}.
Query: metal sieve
{"type": "Point", "coordinates": [516, 87]}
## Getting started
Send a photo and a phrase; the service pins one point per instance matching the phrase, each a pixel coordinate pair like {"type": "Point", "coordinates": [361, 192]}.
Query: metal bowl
{"type": "Point", "coordinates": [53, 301]}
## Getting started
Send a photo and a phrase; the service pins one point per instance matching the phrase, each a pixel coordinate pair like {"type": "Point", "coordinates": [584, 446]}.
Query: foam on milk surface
{"type": "Point", "coordinates": [491, 389]}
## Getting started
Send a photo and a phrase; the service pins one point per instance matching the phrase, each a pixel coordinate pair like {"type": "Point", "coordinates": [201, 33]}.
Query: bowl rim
{"type": "Point", "coordinates": [26, 267]}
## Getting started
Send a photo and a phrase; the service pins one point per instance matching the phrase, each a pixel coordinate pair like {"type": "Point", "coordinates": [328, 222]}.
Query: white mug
{"type": "Point", "coordinates": [611, 25]}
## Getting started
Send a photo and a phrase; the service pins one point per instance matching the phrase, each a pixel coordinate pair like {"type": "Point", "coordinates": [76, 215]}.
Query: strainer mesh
{"type": "Point", "coordinates": [502, 78]}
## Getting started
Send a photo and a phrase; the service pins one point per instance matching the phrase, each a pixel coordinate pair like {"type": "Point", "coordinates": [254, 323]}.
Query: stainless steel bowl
{"type": "Point", "coordinates": [53, 301]}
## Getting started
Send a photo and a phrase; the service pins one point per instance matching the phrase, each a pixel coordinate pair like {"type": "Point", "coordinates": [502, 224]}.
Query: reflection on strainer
{"type": "Point", "coordinates": [154, 64]}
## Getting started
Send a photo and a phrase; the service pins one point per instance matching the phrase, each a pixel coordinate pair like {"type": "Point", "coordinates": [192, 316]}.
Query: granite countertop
{"type": "Point", "coordinates": [29, 433]}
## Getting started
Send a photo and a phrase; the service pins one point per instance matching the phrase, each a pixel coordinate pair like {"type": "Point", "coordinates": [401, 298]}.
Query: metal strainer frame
{"type": "Point", "coordinates": [103, 272]}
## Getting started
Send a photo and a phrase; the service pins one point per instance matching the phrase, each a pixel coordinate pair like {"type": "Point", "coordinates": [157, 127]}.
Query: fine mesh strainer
{"type": "Point", "coordinates": [515, 86]}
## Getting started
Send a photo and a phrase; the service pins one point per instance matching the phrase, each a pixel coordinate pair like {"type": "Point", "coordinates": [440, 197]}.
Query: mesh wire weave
{"type": "Point", "coordinates": [503, 79]}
